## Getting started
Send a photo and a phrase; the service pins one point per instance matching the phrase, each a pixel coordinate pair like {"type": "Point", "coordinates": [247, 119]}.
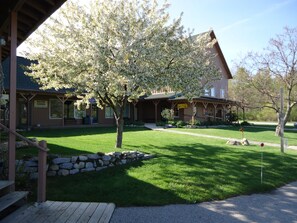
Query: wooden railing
{"type": "Point", "coordinates": [42, 154]}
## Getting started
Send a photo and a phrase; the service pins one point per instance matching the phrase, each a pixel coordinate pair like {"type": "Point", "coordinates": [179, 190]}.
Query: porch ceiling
{"type": "Point", "coordinates": [31, 14]}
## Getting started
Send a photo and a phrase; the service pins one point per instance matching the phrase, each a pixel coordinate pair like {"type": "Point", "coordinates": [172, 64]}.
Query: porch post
{"type": "Point", "coordinates": [224, 113]}
{"type": "Point", "coordinates": [12, 97]}
{"type": "Point", "coordinates": [215, 112]}
{"type": "Point", "coordinates": [205, 107]}
{"type": "Point", "coordinates": [194, 111]}
{"type": "Point", "coordinates": [156, 110]}
{"type": "Point", "coordinates": [134, 110]}
{"type": "Point", "coordinates": [41, 189]}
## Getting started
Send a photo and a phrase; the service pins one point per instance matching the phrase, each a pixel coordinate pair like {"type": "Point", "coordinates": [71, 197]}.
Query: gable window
{"type": "Point", "coordinates": [222, 93]}
{"type": "Point", "coordinates": [213, 92]}
{"type": "Point", "coordinates": [55, 109]}
{"type": "Point", "coordinates": [108, 112]}
{"type": "Point", "coordinates": [206, 92]}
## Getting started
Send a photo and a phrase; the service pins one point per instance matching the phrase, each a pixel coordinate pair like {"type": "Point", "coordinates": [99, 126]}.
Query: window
{"type": "Point", "coordinates": [222, 93]}
{"type": "Point", "coordinates": [206, 92]}
{"type": "Point", "coordinates": [127, 111]}
{"type": "Point", "coordinates": [213, 92]}
{"type": "Point", "coordinates": [55, 109]}
{"type": "Point", "coordinates": [40, 104]}
{"type": "Point", "coordinates": [108, 112]}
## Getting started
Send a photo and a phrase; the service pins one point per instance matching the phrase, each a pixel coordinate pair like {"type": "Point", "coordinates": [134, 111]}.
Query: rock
{"type": "Point", "coordinates": [117, 154]}
{"type": "Point", "coordinates": [61, 160]}
{"type": "Point", "coordinates": [93, 156]}
{"type": "Point", "coordinates": [31, 164]}
{"type": "Point", "coordinates": [74, 159]}
{"type": "Point", "coordinates": [105, 163]}
{"type": "Point", "coordinates": [54, 167]}
{"type": "Point", "coordinates": [140, 155]}
{"type": "Point", "coordinates": [67, 166]}
{"type": "Point", "coordinates": [100, 163]}
{"type": "Point", "coordinates": [123, 161]}
{"type": "Point", "coordinates": [73, 171]}
{"type": "Point", "coordinates": [231, 142]}
{"type": "Point", "coordinates": [95, 164]}
{"type": "Point", "coordinates": [52, 156]}
{"type": "Point", "coordinates": [89, 165]}
{"type": "Point", "coordinates": [51, 173]}
{"type": "Point", "coordinates": [83, 158]}
{"type": "Point", "coordinates": [63, 172]}
{"type": "Point", "coordinates": [30, 169]}
{"type": "Point", "coordinates": [101, 168]}
{"type": "Point", "coordinates": [87, 169]}
{"type": "Point", "coordinates": [111, 165]}
{"type": "Point", "coordinates": [147, 156]}
{"type": "Point", "coordinates": [21, 144]}
{"type": "Point", "coordinates": [106, 158]}
{"type": "Point", "coordinates": [245, 142]}
{"type": "Point", "coordinates": [33, 176]}
{"type": "Point", "coordinates": [79, 165]}
{"type": "Point", "coordinates": [34, 159]}
{"type": "Point", "coordinates": [112, 159]}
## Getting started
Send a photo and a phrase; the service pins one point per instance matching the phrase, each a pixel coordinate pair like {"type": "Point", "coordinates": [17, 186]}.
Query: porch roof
{"type": "Point", "coordinates": [31, 13]}
{"type": "Point", "coordinates": [24, 82]}
{"type": "Point", "coordinates": [162, 96]}
{"type": "Point", "coordinates": [203, 99]}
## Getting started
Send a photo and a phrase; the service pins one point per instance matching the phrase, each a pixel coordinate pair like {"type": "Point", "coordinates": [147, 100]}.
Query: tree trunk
{"type": "Point", "coordinates": [243, 114]}
{"type": "Point", "coordinates": [278, 127]}
{"type": "Point", "coordinates": [120, 128]}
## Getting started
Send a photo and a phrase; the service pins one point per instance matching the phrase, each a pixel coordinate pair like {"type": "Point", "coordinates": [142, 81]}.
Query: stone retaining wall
{"type": "Point", "coordinates": [63, 166]}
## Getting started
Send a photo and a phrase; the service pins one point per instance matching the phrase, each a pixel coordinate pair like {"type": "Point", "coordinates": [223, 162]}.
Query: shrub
{"type": "Point", "coordinates": [168, 114]}
{"type": "Point", "coordinates": [195, 122]}
{"type": "Point", "coordinates": [180, 124]}
{"type": "Point", "coordinates": [245, 123]}
{"type": "Point", "coordinates": [172, 122]}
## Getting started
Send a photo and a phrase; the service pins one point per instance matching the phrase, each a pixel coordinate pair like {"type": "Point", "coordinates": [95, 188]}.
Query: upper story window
{"type": "Point", "coordinates": [222, 93]}
{"type": "Point", "coordinates": [206, 92]}
{"type": "Point", "coordinates": [213, 92]}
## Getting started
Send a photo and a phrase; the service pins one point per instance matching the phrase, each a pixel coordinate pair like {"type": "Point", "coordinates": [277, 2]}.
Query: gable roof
{"type": "Point", "coordinates": [219, 51]}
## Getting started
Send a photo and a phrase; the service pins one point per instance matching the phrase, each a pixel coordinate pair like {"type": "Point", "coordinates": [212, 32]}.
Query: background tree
{"type": "Point", "coordinates": [240, 90]}
{"type": "Point", "coordinates": [276, 67]}
{"type": "Point", "coordinates": [116, 51]}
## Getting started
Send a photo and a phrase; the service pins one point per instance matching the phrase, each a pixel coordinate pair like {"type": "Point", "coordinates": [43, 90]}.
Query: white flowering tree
{"type": "Point", "coordinates": [116, 51]}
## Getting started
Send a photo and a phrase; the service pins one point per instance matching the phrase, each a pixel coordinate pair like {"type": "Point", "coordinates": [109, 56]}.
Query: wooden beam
{"type": "Point", "coordinates": [156, 102]}
{"type": "Point", "coordinates": [12, 97]}
{"type": "Point", "coordinates": [38, 6]}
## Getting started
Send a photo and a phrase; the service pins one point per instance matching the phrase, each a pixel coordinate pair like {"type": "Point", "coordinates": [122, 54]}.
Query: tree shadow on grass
{"type": "Point", "coordinates": [219, 172]}
{"type": "Point", "coordinates": [109, 185]}
{"type": "Point", "coordinates": [78, 131]}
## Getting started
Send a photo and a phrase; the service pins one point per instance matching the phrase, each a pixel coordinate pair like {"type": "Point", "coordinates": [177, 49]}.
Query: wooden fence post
{"type": "Point", "coordinates": [41, 190]}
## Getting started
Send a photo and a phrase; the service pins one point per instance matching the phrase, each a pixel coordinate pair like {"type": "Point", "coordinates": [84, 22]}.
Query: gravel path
{"type": "Point", "coordinates": [279, 206]}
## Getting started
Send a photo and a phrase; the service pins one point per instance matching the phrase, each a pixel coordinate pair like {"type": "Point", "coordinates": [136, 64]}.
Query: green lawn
{"type": "Point", "coordinates": [186, 169]}
{"type": "Point", "coordinates": [259, 133]}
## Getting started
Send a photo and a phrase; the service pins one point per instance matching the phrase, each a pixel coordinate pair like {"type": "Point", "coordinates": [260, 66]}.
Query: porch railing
{"type": "Point", "coordinates": [42, 154]}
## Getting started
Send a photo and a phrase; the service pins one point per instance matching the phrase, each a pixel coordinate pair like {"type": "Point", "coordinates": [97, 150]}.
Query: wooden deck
{"type": "Point", "coordinates": [59, 211]}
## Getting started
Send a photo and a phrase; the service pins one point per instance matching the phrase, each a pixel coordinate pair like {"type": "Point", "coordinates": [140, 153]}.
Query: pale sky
{"type": "Point", "coordinates": [240, 25]}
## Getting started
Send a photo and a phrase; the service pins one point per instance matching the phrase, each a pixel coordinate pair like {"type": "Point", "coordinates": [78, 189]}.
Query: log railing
{"type": "Point", "coordinates": [42, 154]}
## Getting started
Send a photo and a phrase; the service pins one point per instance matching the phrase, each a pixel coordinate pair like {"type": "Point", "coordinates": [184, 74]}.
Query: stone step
{"type": "Point", "coordinates": [5, 183]}
{"type": "Point", "coordinates": [12, 198]}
